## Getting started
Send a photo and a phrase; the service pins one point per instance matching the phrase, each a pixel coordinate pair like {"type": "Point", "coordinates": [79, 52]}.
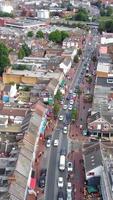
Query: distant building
{"type": "Point", "coordinates": [42, 14]}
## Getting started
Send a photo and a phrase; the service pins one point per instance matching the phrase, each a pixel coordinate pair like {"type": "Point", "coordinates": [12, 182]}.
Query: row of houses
{"type": "Point", "coordinates": [100, 123]}
{"type": "Point", "coordinates": [98, 156]}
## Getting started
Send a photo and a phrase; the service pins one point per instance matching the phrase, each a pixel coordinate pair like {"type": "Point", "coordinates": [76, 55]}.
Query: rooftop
{"type": "Point", "coordinates": [92, 156]}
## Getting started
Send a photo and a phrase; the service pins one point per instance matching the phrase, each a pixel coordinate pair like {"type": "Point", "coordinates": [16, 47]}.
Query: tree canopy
{"type": "Point", "coordinates": [82, 15]}
{"type": "Point", "coordinates": [39, 34]}
{"type": "Point", "coordinates": [58, 36]}
{"type": "Point", "coordinates": [24, 51]}
{"type": "Point", "coordinates": [4, 57]}
{"type": "Point", "coordinates": [5, 14]}
{"type": "Point", "coordinates": [56, 109]}
{"type": "Point", "coordinates": [30, 34]}
{"type": "Point", "coordinates": [106, 26]}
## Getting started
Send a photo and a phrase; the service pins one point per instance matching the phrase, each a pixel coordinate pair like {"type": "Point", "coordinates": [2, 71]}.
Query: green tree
{"type": "Point", "coordinates": [58, 96]}
{"type": "Point", "coordinates": [109, 11]}
{"type": "Point", "coordinates": [55, 36]}
{"type": "Point", "coordinates": [74, 114]}
{"type": "Point", "coordinates": [102, 12]}
{"type": "Point", "coordinates": [82, 15]}
{"type": "Point", "coordinates": [30, 34]}
{"type": "Point", "coordinates": [76, 59]}
{"type": "Point", "coordinates": [89, 79]}
{"type": "Point", "coordinates": [39, 34]}
{"type": "Point", "coordinates": [64, 35]}
{"type": "Point", "coordinates": [26, 49]}
{"type": "Point", "coordinates": [21, 53]}
{"type": "Point", "coordinates": [4, 57]}
{"type": "Point", "coordinates": [56, 109]}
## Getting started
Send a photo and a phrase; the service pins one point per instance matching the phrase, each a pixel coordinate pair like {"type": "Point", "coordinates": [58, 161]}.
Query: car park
{"type": "Point", "coordinates": [60, 182]}
{"type": "Point", "coordinates": [61, 118]}
{"type": "Point", "coordinates": [69, 166]}
{"type": "Point", "coordinates": [60, 195]}
{"type": "Point", "coordinates": [65, 129]}
{"type": "Point", "coordinates": [56, 142]}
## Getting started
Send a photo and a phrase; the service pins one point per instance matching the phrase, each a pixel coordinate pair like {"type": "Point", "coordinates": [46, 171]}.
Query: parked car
{"type": "Point", "coordinates": [42, 178]}
{"type": "Point", "coordinates": [69, 188]}
{"type": "Point", "coordinates": [60, 182]}
{"type": "Point", "coordinates": [69, 166]}
{"type": "Point", "coordinates": [48, 143]}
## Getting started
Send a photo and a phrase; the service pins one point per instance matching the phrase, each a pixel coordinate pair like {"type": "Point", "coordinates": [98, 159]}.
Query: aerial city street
{"type": "Point", "coordinates": [56, 100]}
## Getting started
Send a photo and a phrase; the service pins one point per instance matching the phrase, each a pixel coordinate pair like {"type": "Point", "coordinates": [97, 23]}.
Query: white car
{"type": "Point", "coordinates": [69, 188]}
{"type": "Point", "coordinates": [70, 107]}
{"type": "Point", "coordinates": [74, 94]}
{"type": "Point", "coordinates": [60, 182]}
{"type": "Point", "coordinates": [69, 166]}
{"type": "Point", "coordinates": [71, 102]}
{"type": "Point", "coordinates": [48, 143]}
{"type": "Point", "coordinates": [61, 118]}
{"type": "Point", "coordinates": [65, 129]}
{"type": "Point", "coordinates": [65, 107]}
{"type": "Point", "coordinates": [69, 197]}
{"type": "Point", "coordinates": [56, 141]}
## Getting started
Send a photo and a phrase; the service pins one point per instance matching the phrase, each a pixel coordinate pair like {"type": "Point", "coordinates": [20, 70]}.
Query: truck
{"type": "Point", "coordinates": [62, 162]}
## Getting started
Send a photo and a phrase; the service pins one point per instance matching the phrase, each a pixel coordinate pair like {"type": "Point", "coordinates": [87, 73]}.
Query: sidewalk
{"type": "Point", "coordinates": [78, 176]}
{"type": "Point", "coordinates": [40, 161]}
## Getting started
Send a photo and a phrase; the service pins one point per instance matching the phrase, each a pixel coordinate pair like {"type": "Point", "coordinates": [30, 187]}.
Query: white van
{"type": "Point", "coordinates": [62, 163]}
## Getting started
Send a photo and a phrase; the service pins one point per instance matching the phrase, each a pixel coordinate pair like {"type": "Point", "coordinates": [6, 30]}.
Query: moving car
{"type": "Point", "coordinates": [61, 118]}
{"type": "Point", "coordinates": [65, 107]}
{"type": "Point", "coordinates": [69, 166]}
{"type": "Point", "coordinates": [60, 196]}
{"type": "Point", "coordinates": [62, 162]}
{"type": "Point", "coordinates": [56, 142]}
{"type": "Point", "coordinates": [70, 107]}
{"type": "Point", "coordinates": [65, 129]}
{"type": "Point", "coordinates": [60, 182]}
{"type": "Point", "coordinates": [71, 102]}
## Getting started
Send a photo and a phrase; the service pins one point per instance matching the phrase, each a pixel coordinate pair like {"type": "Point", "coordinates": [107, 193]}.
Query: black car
{"type": "Point", "coordinates": [43, 172]}
{"type": "Point", "coordinates": [60, 196]}
{"type": "Point", "coordinates": [42, 179]}
{"type": "Point", "coordinates": [63, 152]}
{"type": "Point", "coordinates": [41, 182]}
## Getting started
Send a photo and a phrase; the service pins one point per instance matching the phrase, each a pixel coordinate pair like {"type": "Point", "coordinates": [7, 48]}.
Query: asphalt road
{"type": "Point", "coordinates": [53, 173]}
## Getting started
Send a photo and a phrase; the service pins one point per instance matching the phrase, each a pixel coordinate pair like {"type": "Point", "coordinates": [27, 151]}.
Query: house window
{"type": "Point", "coordinates": [110, 80]}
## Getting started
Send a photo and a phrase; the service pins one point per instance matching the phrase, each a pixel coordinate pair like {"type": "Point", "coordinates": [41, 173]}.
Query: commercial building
{"type": "Point", "coordinates": [98, 163]}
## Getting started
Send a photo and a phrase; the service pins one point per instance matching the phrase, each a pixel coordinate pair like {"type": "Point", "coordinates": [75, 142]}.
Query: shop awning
{"type": "Point", "coordinates": [62, 83]}
{"type": "Point", "coordinates": [43, 126]}
{"type": "Point", "coordinates": [32, 183]}
{"type": "Point", "coordinates": [91, 189]}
